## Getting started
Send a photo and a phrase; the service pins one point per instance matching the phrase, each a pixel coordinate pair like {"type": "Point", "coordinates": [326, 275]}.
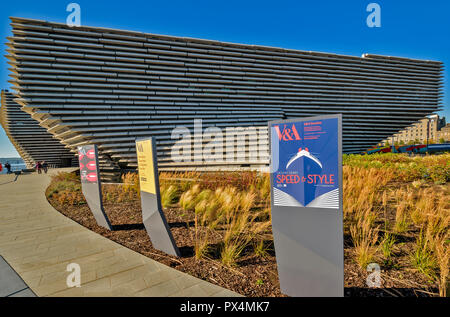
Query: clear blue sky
{"type": "Point", "coordinates": [409, 28]}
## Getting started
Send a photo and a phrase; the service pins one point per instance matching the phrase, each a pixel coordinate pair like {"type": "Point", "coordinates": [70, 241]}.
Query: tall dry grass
{"type": "Point", "coordinates": [376, 188]}
{"type": "Point", "coordinates": [365, 238]}
{"type": "Point", "coordinates": [229, 211]}
{"type": "Point", "coordinates": [442, 255]}
{"type": "Point", "coordinates": [407, 187]}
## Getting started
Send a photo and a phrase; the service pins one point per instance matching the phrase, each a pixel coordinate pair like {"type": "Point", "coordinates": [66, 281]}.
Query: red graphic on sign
{"type": "Point", "coordinates": [288, 134]}
{"type": "Point", "coordinates": [328, 179]}
{"type": "Point", "coordinates": [87, 156]}
{"type": "Point", "coordinates": [91, 165]}
{"type": "Point", "coordinates": [91, 154]}
{"type": "Point", "coordinates": [92, 177]}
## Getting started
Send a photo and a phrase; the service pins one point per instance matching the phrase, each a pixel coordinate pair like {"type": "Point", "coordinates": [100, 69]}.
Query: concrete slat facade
{"type": "Point", "coordinates": [32, 142]}
{"type": "Point", "coordinates": [109, 87]}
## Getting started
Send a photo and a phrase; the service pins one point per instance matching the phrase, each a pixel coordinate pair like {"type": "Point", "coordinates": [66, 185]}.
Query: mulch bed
{"type": "Point", "coordinates": [254, 275]}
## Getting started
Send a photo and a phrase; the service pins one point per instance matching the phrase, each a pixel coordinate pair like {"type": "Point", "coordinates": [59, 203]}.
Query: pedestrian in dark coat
{"type": "Point", "coordinates": [8, 168]}
{"type": "Point", "coordinates": [39, 167]}
{"type": "Point", "coordinates": [45, 167]}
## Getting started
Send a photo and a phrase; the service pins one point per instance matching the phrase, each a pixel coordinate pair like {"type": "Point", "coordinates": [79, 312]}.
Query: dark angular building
{"type": "Point", "coordinates": [109, 87]}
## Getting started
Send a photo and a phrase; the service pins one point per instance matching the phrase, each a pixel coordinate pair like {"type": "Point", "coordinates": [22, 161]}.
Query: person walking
{"type": "Point", "coordinates": [39, 167]}
{"type": "Point", "coordinates": [45, 166]}
{"type": "Point", "coordinates": [8, 168]}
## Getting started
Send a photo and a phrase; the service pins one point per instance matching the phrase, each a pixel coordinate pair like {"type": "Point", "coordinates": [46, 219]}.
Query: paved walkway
{"type": "Point", "coordinates": [38, 243]}
{"type": "Point", "coordinates": [11, 285]}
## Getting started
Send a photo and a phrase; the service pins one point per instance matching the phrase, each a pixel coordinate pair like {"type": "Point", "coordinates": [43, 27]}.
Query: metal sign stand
{"type": "Point", "coordinates": [307, 217]}
{"type": "Point", "coordinates": [90, 183]}
{"type": "Point", "coordinates": [152, 215]}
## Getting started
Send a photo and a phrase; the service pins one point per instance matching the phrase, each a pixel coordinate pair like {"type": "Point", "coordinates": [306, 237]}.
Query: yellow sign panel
{"type": "Point", "coordinates": [144, 151]}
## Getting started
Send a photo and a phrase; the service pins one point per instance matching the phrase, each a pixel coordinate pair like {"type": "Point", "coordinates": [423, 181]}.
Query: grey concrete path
{"type": "Point", "coordinates": [39, 243]}
{"type": "Point", "coordinates": [11, 283]}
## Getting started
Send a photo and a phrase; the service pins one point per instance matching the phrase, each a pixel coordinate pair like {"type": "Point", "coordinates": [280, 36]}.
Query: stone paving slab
{"type": "Point", "coordinates": [39, 242]}
{"type": "Point", "coordinates": [11, 285]}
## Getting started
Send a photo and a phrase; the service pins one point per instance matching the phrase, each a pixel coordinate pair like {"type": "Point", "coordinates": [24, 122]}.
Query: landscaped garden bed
{"type": "Point", "coordinates": [396, 214]}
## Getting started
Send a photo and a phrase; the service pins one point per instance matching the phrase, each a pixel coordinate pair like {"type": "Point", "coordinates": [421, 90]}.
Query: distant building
{"type": "Point", "coordinates": [444, 134]}
{"type": "Point", "coordinates": [429, 129]}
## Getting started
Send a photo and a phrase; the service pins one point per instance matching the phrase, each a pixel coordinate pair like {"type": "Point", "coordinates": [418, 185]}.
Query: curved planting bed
{"type": "Point", "coordinates": [396, 214]}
